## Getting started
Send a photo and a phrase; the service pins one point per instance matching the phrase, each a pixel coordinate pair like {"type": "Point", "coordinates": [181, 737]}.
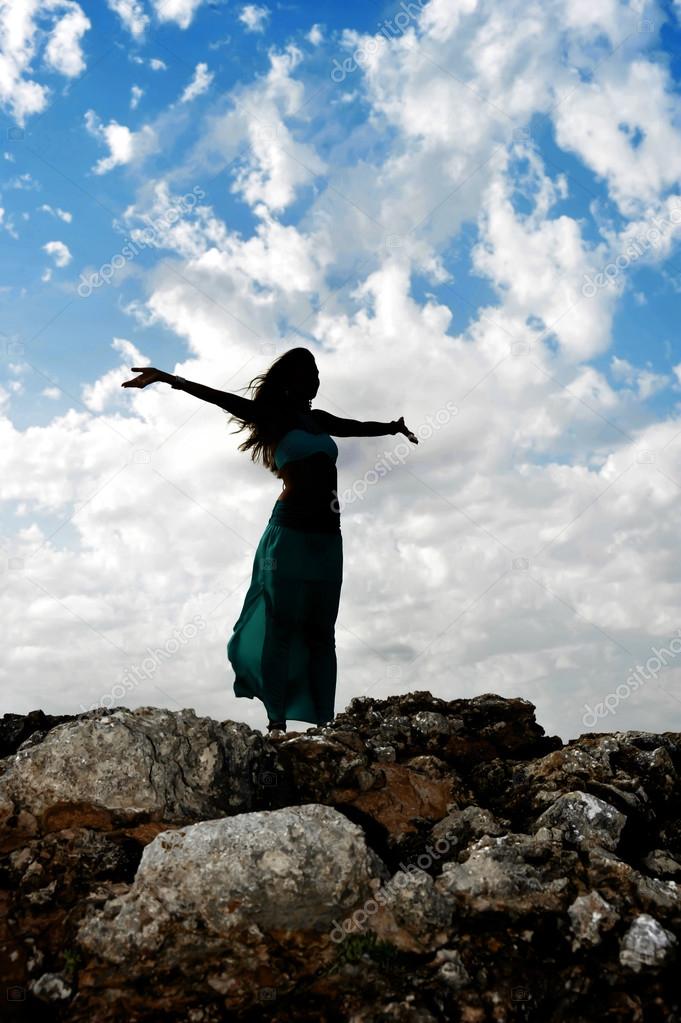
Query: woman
{"type": "Point", "coordinates": [283, 647]}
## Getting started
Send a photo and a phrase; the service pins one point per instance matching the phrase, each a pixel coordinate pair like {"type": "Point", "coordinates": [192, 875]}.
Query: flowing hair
{"type": "Point", "coordinates": [275, 413]}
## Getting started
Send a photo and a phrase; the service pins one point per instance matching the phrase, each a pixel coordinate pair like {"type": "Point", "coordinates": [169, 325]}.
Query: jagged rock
{"type": "Point", "coordinates": [591, 916]}
{"type": "Point", "coordinates": [584, 818]}
{"type": "Point", "coordinates": [409, 912]}
{"type": "Point", "coordinates": [647, 945]}
{"type": "Point", "coordinates": [257, 887]}
{"type": "Point", "coordinates": [18, 728]}
{"type": "Point", "coordinates": [129, 766]}
{"type": "Point", "coordinates": [51, 987]}
{"type": "Point", "coordinates": [635, 772]}
{"type": "Point", "coordinates": [513, 874]}
{"type": "Point", "coordinates": [451, 968]}
{"type": "Point", "coordinates": [398, 794]}
{"type": "Point", "coordinates": [460, 827]}
{"type": "Point", "coordinates": [662, 864]}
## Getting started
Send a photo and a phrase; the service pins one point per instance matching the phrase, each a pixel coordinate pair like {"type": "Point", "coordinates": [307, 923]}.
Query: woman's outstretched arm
{"type": "Point", "coordinates": [243, 408]}
{"type": "Point", "coordinates": [338, 427]}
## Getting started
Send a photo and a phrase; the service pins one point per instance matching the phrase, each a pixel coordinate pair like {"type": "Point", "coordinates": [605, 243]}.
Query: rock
{"type": "Point", "coordinates": [51, 987]}
{"type": "Point", "coordinates": [253, 885]}
{"type": "Point", "coordinates": [404, 794]}
{"type": "Point", "coordinates": [159, 865]}
{"type": "Point", "coordinates": [409, 912]}
{"type": "Point", "coordinates": [584, 818]}
{"type": "Point", "coordinates": [506, 875]}
{"type": "Point", "coordinates": [451, 968]}
{"type": "Point", "coordinates": [130, 765]}
{"type": "Point", "coordinates": [15, 729]}
{"type": "Point", "coordinates": [662, 864]}
{"type": "Point", "coordinates": [460, 827]}
{"type": "Point", "coordinates": [647, 945]}
{"type": "Point", "coordinates": [591, 916]}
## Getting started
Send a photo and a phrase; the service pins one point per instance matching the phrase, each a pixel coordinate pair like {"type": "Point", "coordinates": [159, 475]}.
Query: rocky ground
{"type": "Point", "coordinates": [417, 860]}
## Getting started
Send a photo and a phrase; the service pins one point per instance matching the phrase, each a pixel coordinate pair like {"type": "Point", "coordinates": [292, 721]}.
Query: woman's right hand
{"type": "Point", "coordinates": [148, 375]}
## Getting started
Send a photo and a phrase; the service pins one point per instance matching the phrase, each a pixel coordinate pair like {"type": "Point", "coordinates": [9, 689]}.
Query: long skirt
{"type": "Point", "coordinates": [283, 648]}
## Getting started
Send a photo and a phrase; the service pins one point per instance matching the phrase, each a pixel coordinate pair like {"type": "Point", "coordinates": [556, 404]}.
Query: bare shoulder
{"type": "Point", "coordinates": [323, 421]}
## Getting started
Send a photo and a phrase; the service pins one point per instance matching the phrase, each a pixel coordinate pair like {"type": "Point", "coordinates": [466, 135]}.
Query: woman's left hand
{"type": "Point", "coordinates": [401, 428]}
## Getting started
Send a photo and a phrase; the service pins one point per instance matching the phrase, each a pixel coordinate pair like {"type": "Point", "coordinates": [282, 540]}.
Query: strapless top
{"type": "Point", "coordinates": [300, 443]}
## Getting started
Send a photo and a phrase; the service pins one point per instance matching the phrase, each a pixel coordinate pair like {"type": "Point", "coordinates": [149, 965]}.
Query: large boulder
{"type": "Point", "coordinates": [237, 903]}
{"type": "Point", "coordinates": [128, 766]}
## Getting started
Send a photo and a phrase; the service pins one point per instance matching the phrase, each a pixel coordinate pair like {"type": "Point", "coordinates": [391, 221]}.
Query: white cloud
{"type": "Point", "coordinates": [23, 27]}
{"type": "Point", "coordinates": [156, 64]}
{"type": "Point", "coordinates": [63, 51]}
{"type": "Point", "coordinates": [57, 212]}
{"type": "Point", "coordinates": [275, 165]}
{"type": "Point", "coordinates": [199, 83]}
{"type": "Point", "coordinates": [7, 223]}
{"type": "Point", "coordinates": [59, 252]}
{"type": "Point", "coordinates": [136, 94]}
{"type": "Point", "coordinates": [644, 381]}
{"type": "Point", "coordinates": [254, 16]}
{"type": "Point", "coordinates": [107, 390]}
{"type": "Point", "coordinates": [624, 126]}
{"type": "Point", "coordinates": [315, 35]}
{"type": "Point", "coordinates": [179, 11]}
{"type": "Point", "coordinates": [23, 182]}
{"type": "Point", "coordinates": [125, 146]}
{"type": "Point", "coordinates": [131, 13]}
{"type": "Point", "coordinates": [51, 392]}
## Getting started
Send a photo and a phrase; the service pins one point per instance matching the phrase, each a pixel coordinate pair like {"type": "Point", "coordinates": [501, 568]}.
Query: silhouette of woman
{"type": "Point", "coordinates": [283, 648]}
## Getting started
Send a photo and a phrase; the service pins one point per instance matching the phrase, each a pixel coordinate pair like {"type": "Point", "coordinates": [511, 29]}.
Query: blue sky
{"type": "Point", "coordinates": [441, 203]}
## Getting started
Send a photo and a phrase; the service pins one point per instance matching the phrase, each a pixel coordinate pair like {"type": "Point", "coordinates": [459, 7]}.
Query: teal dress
{"type": "Point", "coordinates": [283, 647]}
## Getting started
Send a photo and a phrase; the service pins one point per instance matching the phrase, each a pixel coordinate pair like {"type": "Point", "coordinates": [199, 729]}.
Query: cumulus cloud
{"type": "Point", "coordinates": [179, 11]}
{"type": "Point", "coordinates": [57, 212]}
{"type": "Point", "coordinates": [254, 17]}
{"type": "Point", "coordinates": [59, 252]}
{"type": "Point", "coordinates": [200, 83]}
{"type": "Point", "coordinates": [624, 126]}
{"type": "Point", "coordinates": [60, 26]}
{"type": "Point", "coordinates": [63, 51]}
{"type": "Point", "coordinates": [315, 35]}
{"type": "Point", "coordinates": [124, 145]}
{"type": "Point", "coordinates": [136, 94]}
{"type": "Point", "coordinates": [275, 165]}
{"type": "Point", "coordinates": [131, 13]}
{"type": "Point", "coordinates": [107, 391]}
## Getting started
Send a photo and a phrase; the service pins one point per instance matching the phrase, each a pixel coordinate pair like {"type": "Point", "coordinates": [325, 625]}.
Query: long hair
{"type": "Point", "coordinates": [275, 414]}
